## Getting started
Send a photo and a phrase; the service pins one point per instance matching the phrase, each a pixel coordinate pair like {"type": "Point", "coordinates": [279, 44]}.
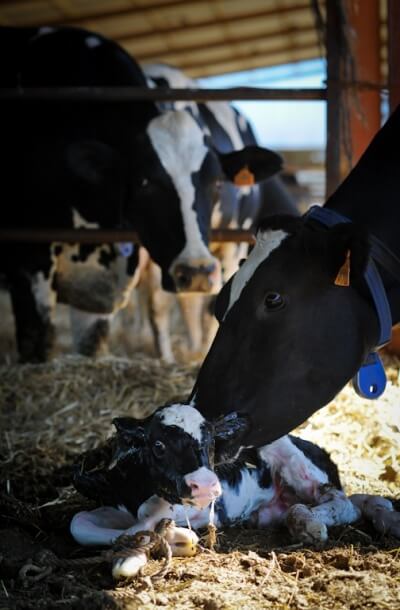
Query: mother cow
{"type": "Point", "coordinates": [290, 336]}
{"type": "Point", "coordinates": [120, 164]}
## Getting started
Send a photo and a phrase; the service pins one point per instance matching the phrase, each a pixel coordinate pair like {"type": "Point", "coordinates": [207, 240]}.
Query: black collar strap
{"type": "Point", "coordinates": [370, 381]}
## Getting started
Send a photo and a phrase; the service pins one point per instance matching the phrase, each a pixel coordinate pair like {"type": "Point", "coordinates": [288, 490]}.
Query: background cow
{"type": "Point", "coordinates": [100, 164]}
{"type": "Point", "coordinates": [236, 207]}
{"type": "Point", "coordinates": [289, 336]}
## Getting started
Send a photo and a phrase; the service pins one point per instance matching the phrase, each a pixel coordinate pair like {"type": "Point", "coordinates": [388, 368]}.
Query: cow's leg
{"type": "Point", "coordinates": [90, 332]}
{"type": "Point", "coordinates": [380, 511]}
{"type": "Point", "coordinates": [159, 306]}
{"type": "Point", "coordinates": [100, 526]}
{"type": "Point", "coordinates": [33, 302]}
{"type": "Point", "coordinates": [310, 525]}
{"type": "Point", "coordinates": [191, 306]}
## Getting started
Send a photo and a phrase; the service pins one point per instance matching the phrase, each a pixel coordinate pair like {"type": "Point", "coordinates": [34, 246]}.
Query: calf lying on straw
{"type": "Point", "coordinates": [290, 481]}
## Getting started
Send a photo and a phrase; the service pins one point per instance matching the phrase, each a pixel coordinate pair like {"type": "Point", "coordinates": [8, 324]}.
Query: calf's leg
{"type": "Point", "coordinates": [310, 525]}
{"type": "Point", "coordinates": [380, 511]}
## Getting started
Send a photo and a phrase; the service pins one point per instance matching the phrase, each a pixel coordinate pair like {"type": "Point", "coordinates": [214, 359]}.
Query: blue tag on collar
{"type": "Point", "coordinates": [125, 248]}
{"type": "Point", "coordinates": [370, 381]}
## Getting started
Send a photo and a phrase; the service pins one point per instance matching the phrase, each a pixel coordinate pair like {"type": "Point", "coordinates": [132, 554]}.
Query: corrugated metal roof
{"type": "Point", "coordinates": [201, 37]}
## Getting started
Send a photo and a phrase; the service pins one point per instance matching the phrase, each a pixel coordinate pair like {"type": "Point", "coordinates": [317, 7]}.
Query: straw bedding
{"type": "Point", "coordinates": [51, 413]}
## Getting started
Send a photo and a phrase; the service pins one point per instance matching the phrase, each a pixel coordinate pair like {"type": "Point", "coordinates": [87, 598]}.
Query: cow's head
{"type": "Point", "coordinates": [289, 337]}
{"type": "Point", "coordinates": [177, 444]}
{"type": "Point", "coordinates": [178, 183]}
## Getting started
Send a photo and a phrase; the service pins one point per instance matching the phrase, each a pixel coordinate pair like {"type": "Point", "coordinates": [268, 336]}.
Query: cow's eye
{"type": "Point", "coordinates": [159, 449]}
{"type": "Point", "coordinates": [145, 182]}
{"type": "Point", "coordinates": [274, 301]}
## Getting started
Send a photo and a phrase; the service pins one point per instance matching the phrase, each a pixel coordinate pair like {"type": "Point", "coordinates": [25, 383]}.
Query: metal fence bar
{"type": "Point", "coordinates": [102, 236]}
{"type": "Point", "coordinates": [162, 94]}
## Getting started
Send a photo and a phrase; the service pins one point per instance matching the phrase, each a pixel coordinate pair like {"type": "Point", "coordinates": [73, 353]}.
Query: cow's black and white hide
{"type": "Point", "coordinates": [102, 164]}
{"type": "Point", "coordinates": [236, 207]}
{"type": "Point", "coordinates": [290, 481]}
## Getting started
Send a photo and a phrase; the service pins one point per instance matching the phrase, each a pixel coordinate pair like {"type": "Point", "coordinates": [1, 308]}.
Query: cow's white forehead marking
{"type": "Point", "coordinates": [186, 417]}
{"type": "Point", "coordinates": [176, 80]}
{"type": "Point", "coordinates": [267, 242]}
{"type": "Point", "coordinates": [93, 41]}
{"type": "Point", "coordinates": [179, 143]}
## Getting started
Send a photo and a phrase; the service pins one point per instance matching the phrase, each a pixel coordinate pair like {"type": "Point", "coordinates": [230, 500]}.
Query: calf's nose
{"type": "Point", "coordinates": [204, 486]}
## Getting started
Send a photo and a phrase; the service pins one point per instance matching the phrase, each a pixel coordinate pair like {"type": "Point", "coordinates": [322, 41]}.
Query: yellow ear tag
{"type": "Point", "coordinates": [343, 276]}
{"type": "Point", "coordinates": [244, 177]}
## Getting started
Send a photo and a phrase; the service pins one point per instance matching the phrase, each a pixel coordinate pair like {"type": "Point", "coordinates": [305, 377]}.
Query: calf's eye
{"type": "Point", "coordinates": [274, 301]}
{"type": "Point", "coordinates": [158, 449]}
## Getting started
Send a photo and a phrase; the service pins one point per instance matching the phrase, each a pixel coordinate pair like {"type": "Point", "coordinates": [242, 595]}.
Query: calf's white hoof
{"type": "Point", "coordinates": [304, 527]}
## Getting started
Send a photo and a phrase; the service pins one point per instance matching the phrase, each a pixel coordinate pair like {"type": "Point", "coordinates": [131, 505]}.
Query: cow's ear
{"type": "Point", "coordinates": [347, 254]}
{"type": "Point", "coordinates": [91, 160]}
{"type": "Point", "coordinates": [249, 165]}
{"type": "Point", "coordinates": [130, 431]}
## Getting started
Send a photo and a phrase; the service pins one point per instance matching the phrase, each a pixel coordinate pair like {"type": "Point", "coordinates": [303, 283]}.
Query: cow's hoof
{"type": "Point", "coordinates": [183, 542]}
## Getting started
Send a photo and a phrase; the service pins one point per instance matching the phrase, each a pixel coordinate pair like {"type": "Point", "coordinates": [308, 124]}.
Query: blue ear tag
{"type": "Point", "coordinates": [125, 248]}
{"type": "Point", "coordinates": [370, 381]}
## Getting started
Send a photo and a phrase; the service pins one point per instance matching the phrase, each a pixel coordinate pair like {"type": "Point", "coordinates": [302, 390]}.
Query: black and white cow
{"type": "Point", "coordinates": [161, 470]}
{"type": "Point", "coordinates": [99, 164]}
{"type": "Point", "coordinates": [236, 207]}
{"type": "Point", "coordinates": [290, 337]}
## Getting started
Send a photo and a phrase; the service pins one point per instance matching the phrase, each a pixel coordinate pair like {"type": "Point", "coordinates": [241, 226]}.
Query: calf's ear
{"type": "Point", "coordinates": [231, 427]}
{"type": "Point", "coordinates": [249, 165]}
{"type": "Point", "coordinates": [130, 431]}
{"type": "Point", "coordinates": [228, 431]}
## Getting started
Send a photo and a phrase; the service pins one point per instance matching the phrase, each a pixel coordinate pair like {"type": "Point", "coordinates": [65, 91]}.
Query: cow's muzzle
{"type": "Point", "coordinates": [198, 276]}
{"type": "Point", "coordinates": [204, 487]}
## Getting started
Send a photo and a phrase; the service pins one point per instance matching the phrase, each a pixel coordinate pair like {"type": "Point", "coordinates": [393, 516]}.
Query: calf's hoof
{"type": "Point", "coordinates": [304, 527]}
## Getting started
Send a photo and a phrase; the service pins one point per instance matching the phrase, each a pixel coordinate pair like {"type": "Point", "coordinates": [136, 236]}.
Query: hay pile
{"type": "Point", "coordinates": [51, 413]}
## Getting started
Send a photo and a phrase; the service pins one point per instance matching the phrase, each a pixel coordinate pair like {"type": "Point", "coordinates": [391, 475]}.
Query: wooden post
{"type": "Point", "coordinates": [334, 44]}
{"type": "Point", "coordinates": [364, 110]}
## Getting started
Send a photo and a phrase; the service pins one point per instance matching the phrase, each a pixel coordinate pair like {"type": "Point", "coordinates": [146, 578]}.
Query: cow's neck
{"type": "Point", "coordinates": [370, 197]}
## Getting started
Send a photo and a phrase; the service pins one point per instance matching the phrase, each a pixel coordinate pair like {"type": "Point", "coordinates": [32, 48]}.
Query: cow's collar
{"type": "Point", "coordinates": [370, 381]}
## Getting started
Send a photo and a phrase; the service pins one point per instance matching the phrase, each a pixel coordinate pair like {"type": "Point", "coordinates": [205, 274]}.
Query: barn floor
{"type": "Point", "coordinates": [51, 413]}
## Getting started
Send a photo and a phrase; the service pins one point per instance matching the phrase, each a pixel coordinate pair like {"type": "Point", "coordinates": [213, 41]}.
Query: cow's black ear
{"type": "Point", "coordinates": [130, 431]}
{"type": "Point", "coordinates": [347, 254]}
{"type": "Point", "coordinates": [91, 160]}
{"type": "Point", "coordinates": [249, 165]}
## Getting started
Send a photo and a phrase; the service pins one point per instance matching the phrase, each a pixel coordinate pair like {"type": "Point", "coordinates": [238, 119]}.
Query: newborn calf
{"type": "Point", "coordinates": [289, 481]}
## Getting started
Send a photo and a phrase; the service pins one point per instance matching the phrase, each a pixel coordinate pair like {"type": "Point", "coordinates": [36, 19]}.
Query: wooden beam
{"type": "Point", "coordinates": [268, 54]}
{"type": "Point", "coordinates": [103, 236]}
{"type": "Point", "coordinates": [224, 21]}
{"type": "Point", "coordinates": [394, 52]}
{"type": "Point", "coordinates": [229, 43]}
{"type": "Point", "coordinates": [132, 94]}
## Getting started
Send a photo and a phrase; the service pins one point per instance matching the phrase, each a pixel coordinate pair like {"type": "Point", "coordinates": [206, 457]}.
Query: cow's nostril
{"type": "Point", "coordinates": [194, 486]}
{"type": "Point", "coordinates": [183, 280]}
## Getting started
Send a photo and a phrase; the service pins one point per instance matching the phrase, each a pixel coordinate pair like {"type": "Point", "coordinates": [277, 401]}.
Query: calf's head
{"type": "Point", "coordinates": [177, 445]}
{"type": "Point", "coordinates": [289, 337]}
